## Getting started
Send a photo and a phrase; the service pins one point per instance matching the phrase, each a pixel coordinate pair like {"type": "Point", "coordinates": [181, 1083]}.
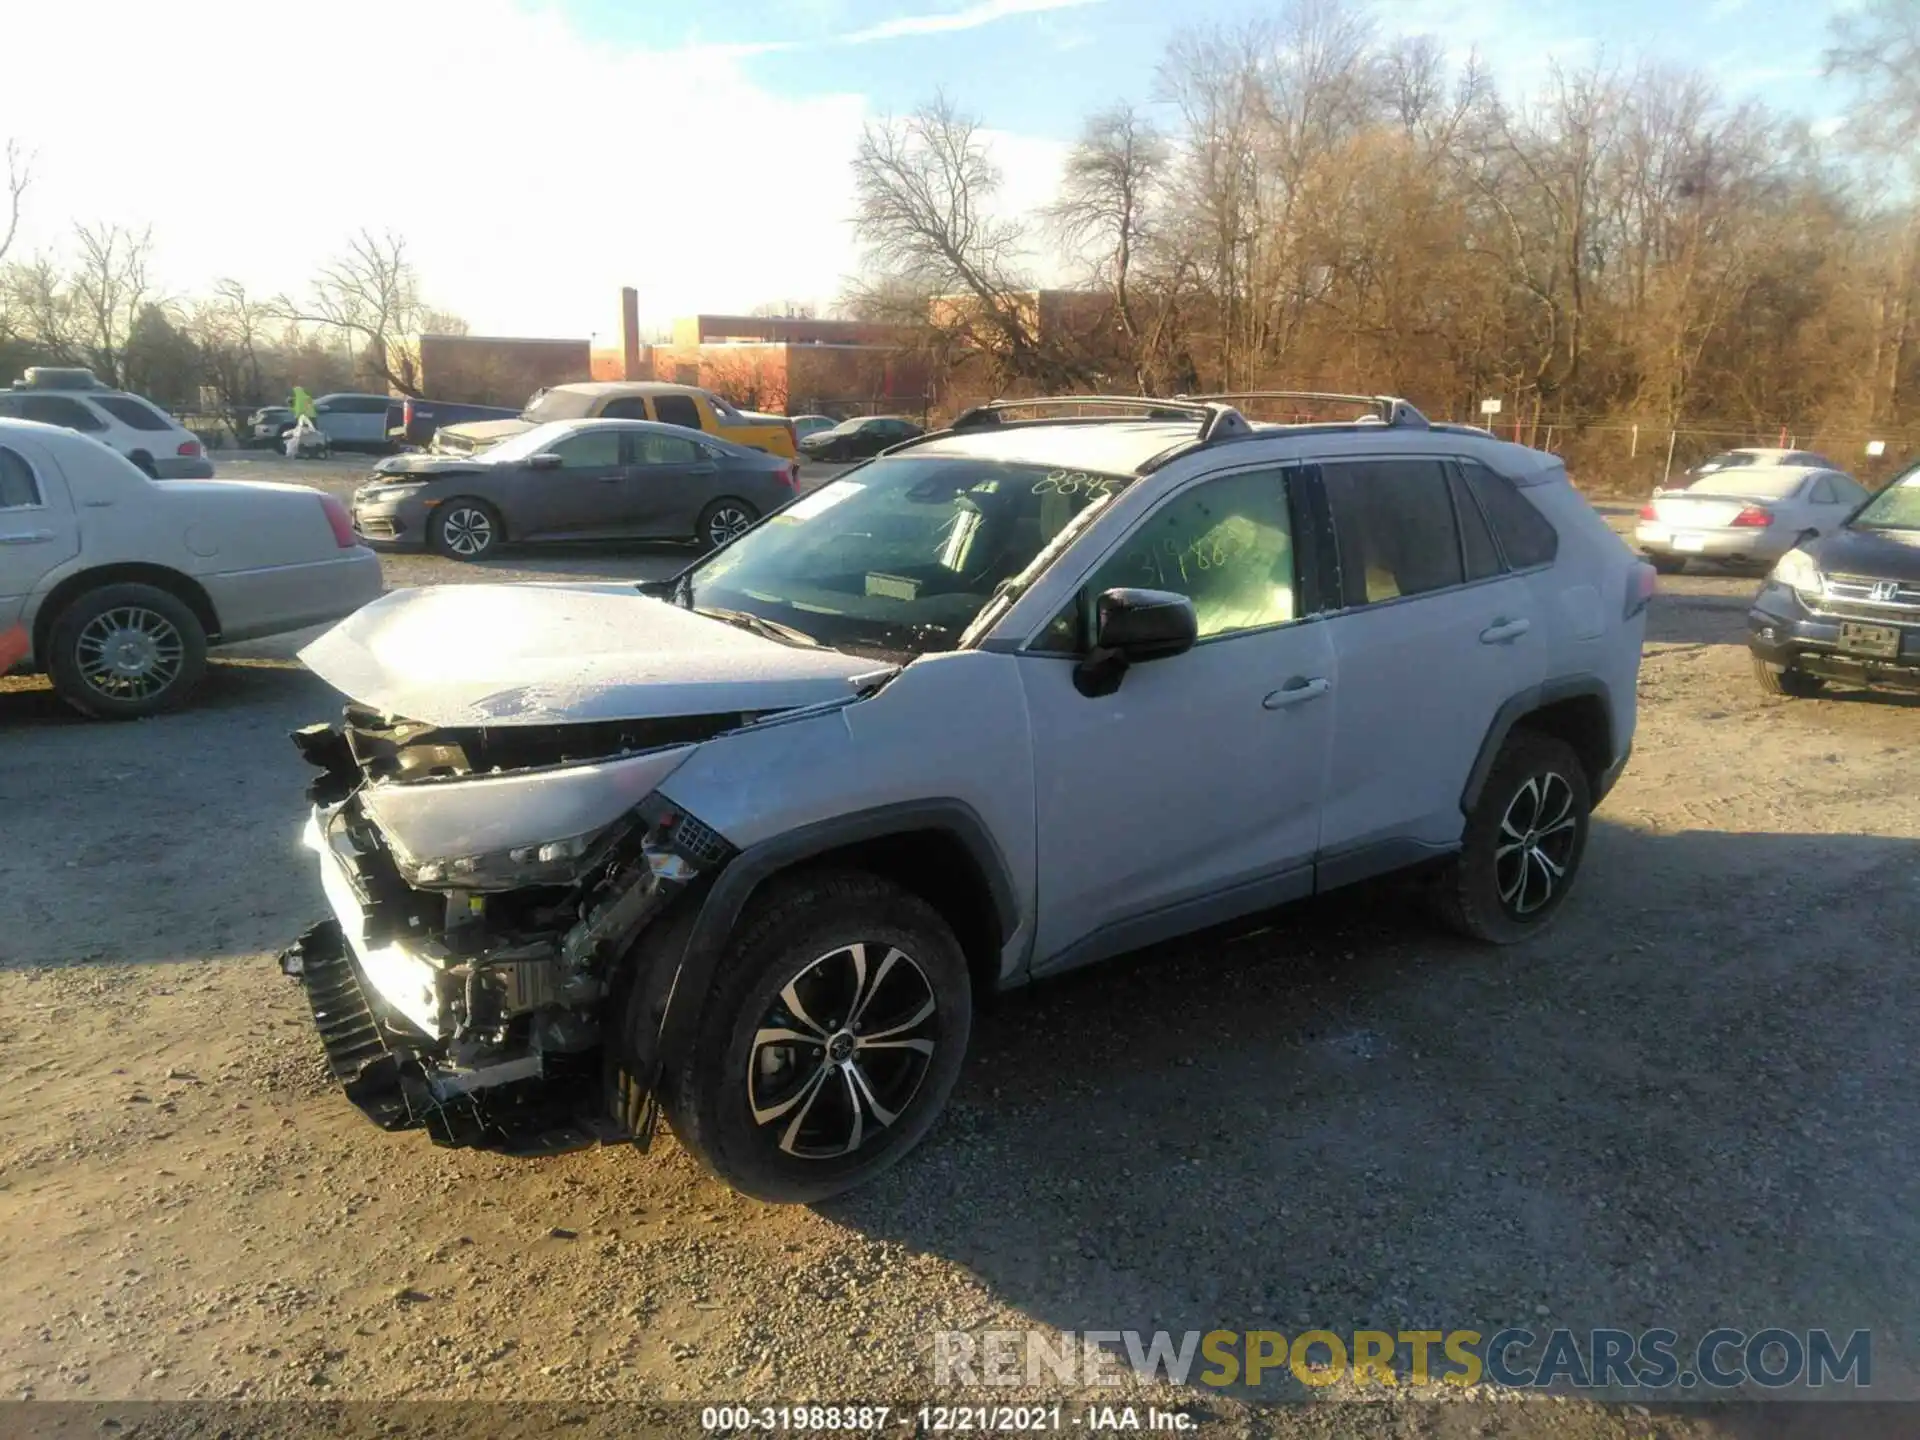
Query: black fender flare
{"type": "Point", "coordinates": [682, 953]}
{"type": "Point", "coordinates": [1515, 708]}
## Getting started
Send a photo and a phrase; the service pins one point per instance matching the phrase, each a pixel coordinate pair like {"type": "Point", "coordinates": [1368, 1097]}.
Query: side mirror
{"type": "Point", "coordinates": [1129, 627]}
{"type": "Point", "coordinates": [546, 460]}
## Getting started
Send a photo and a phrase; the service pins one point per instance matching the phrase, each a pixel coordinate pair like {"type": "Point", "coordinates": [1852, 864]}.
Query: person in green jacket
{"type": "Point", "coordinates": [302, 405]}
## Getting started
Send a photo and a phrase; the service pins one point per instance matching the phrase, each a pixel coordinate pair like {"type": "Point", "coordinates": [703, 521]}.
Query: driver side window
{"type": "Point", "coordinates": [1226, 544]}
{"type": "Point", "coordinates": [590, 450]}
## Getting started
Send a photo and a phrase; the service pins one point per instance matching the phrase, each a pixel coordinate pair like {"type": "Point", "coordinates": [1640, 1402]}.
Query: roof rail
{"type": "Point", "coordinates": [1389, 408]}
{"type": "Point", "coordinates": [1217, 421]}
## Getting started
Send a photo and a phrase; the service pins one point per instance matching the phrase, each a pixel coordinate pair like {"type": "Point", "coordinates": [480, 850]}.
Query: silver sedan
{"type": "Point", "coordinates": [1744, 515]}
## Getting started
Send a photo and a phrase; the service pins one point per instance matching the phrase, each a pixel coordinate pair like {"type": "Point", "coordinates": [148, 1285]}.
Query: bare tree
{"type": "Point", "coordinates": [925, 186]}
{"type": "Point", "coordinates": [110, 290]}
{"type": "Point", "coordinates": [1877, 44]}
{"type": "Point", "coordinates": [19, 175]}
{"type": "Point", "coordinates": [370, 295]}
{"type": "Point", "coordinates": [1112, 178]}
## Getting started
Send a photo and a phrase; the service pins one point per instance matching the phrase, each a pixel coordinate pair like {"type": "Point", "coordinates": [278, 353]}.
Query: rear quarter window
{"type": "Point", "coordinates": [1525, 535]}
{"type": "Point", "coordinates": [18, 487]}
{"type": "Point", "coordinates": [129, 411]}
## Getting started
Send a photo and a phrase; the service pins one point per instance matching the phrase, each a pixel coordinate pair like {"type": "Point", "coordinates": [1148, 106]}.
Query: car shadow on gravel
{"type": "Point", "coordinates": [1662, 1112]}
{"type": "Point", "coordinates": [28, 702]}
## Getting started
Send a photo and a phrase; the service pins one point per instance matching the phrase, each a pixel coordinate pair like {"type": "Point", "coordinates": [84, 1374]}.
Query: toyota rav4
{"type": "Point", "coordinates": [1016, 696]}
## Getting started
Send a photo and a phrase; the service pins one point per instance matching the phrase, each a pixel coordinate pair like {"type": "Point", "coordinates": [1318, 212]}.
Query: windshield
{"type": "Point", "coordinates": [559, 405]}
{"type": "Point", "coordinates": [1895, 508]}
{"type": "Point", "coordinates": [900, 556]}
{"type": "Point", "coordinates": [537, 441]}
{"type": "Point", "coordinates": [1749, 484]}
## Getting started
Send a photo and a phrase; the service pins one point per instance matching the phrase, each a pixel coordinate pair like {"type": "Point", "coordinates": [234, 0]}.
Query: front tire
{"type": "Point", "coordinates": [1787, 681]}
{"type": "Point", "coordinates": [467, 529]}
{"type": "Point", "coordinates": [723, 520]}
{"type": "Point", "coordinates": [830, 1041]}
{"type": "Point", "coordinates": [123, 652]}
{"type": "Point", "coordinates": [1523, 843]}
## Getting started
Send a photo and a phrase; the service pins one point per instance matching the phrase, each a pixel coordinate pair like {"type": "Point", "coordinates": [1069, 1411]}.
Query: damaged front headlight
{"type": "Point", "coordinates": [1798, 571]}
{"type": "Point", "coordinates": [505, 832]}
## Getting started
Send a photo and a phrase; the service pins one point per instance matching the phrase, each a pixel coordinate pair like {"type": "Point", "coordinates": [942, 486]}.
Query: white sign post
{"type": "Point", "coordinates": [1489, 409]}
{"type": "Point", "coordinates": [1876, 448]}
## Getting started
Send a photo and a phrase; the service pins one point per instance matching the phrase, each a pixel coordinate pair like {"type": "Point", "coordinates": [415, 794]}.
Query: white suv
{"type": "Point", "coordinates": [1012, 698]}
{"type": "Point", "coordinates": [135, 427]}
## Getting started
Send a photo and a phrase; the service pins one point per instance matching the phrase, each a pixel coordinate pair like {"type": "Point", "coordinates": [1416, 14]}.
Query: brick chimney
{"type": "Point", "coordinates": [630, 332]}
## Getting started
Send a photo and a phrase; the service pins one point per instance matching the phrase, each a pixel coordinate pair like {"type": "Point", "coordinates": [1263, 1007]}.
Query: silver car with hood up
{"type": "Point", "coordinates": [744, 845]}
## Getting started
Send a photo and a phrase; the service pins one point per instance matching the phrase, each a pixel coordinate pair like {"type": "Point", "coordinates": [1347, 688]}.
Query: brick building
{"type": "Point", "coordinates": [497, 370]}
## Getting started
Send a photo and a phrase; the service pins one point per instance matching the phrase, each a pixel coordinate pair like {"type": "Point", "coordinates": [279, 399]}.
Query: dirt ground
{"type": "Point", "coordinates": [1688, 1105]}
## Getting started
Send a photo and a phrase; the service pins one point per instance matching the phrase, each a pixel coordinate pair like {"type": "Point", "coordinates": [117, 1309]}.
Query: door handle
{"type": "Point", "coordinates": [1296, 691]}
{"type": "Point", "coordinates": [27, 537]}
{"type": "Point", "coordinates": [1503, 630]}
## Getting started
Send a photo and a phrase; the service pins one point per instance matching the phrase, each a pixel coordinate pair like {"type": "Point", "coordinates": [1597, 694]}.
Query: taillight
{"type": "Point", "coordinates": [1640, 587]}
{"type": "Point", "coordinates": [1754, 517]}
{"type": "Point", "coordinates": [341, 522]}
{"type": "Point", "coordinates": [406, 414]}
{"type": "Point", "coordinates": [793, 474]}
{"type": "Point", "coordinates": [1646, 513]}
{"type": "Point", "coordinates": [188, 447]}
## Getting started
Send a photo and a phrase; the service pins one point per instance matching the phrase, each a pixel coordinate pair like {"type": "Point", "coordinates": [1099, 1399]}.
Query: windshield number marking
{"type": "Point", "coordinates": [1073, 482]}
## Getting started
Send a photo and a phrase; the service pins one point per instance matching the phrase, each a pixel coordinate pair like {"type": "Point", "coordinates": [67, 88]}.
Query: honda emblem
{"type": "Point", "coordinates": [1885, 590]}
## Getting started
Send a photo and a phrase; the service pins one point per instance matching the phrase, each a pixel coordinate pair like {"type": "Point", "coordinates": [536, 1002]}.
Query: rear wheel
{"type": "Point", "coordinates": [833, 1033]}
{"type": "Point", "coordinates": [466, 529]}
{"type": "Point", "coordinates": [1667, 564]}
{"type": "Point", "coordinates": [1523, 843]}
{"type": "Point", "coordinates": [125, 651]}
{"type": "Point", "coordinates": [1785, 680]}
{"type": "Point", "coordinates": [723, 520]}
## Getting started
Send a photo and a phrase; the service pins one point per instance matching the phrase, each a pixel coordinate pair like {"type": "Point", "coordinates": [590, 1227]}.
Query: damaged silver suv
{"type": "Point", "coordinates": [744, 846]}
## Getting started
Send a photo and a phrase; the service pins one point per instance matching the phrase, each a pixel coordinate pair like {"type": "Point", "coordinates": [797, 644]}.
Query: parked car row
{"type": "Point", "coordinates": [1841, 600]}
{"type": "Point", "coordinates": [686, 406]}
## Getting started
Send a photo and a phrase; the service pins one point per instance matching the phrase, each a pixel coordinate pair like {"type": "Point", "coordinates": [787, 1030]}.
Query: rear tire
{"type": "Point", "coordinates": [723, 520]}
{"type": "Point", "coordinates": [123, 652]}
{"type": "Point", "coordinates": [1667, 564]}
{"type": "Point", "coordinates": [767, 1115]}
{"type": "Point", "coordinates": [1792, 683]}
{"type": "Point", "coordinates": [1521, 850]}
{"type": "Point", "coordinates": [464, 528]}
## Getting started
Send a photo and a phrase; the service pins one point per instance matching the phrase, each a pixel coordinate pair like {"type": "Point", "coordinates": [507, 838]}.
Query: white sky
{"type": "Point", "coordinates": [531, 171]}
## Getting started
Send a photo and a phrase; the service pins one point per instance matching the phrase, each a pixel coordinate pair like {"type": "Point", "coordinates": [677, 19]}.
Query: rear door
{"type": "Point", "coordinates": [669, 480]}
{"type": "Point", "coordinates": [681, 410]}
{"type": "Point", "coordinates": [582, 499]}
{"type": "Point", "coordinates": [38, 530]}
{"type": "Point", "coordinates": [1433, 635]}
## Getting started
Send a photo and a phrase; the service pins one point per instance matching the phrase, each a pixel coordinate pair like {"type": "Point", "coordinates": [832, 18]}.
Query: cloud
{"type": "Point", "coordinates": [533, 169]}
{"type": "Point", "coordinates": [986, 12]}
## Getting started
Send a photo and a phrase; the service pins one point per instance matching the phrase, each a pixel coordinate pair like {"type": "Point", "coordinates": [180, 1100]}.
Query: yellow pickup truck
{"type": "Point", "coordinates": [686, 405]}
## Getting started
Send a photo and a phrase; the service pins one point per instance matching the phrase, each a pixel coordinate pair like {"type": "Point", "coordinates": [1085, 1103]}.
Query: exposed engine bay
{"type": "Point", "coordinates": [483, 974]}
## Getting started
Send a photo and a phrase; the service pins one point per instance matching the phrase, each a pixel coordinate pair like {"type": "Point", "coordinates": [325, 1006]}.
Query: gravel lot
{"type": "Point", "coordinates": [1686, 1106]}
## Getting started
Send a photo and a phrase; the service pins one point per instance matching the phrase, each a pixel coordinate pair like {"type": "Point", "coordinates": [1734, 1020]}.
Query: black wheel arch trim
{"type": "Point", "coordinates": [692, 938]}
{"type": "Point", "coordinates": [1517, 707]}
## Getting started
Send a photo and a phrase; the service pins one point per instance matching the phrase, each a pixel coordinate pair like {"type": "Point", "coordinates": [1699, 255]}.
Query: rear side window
{"type": "Point", "coordinates": [57, 410]}
{"type": "Point", "coordinates": [1524, 533]}
{"type": "Point", "coordinates": [677, 410]}
{"type": "Point", "coordinates": [1394, 526]}
{"type": "Point", "coordinates": [18, 488]}
{"type": "Point", "coordinates": [129, 411]}
{"type": "Point", "coordinates": [1476, 540]}
{"type": "Point", "coordinates": [654, 449]}
{"type": "Point", "coordinates": [625, 407]}
{"type": "Point", "coordinates": [1823, 492]}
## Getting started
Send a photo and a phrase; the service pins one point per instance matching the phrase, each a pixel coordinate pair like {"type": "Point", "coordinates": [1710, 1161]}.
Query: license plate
{"type": "Point", "coordinates": [1689, 542]}
{"type": "Point", "coordinates": [1880, 640]}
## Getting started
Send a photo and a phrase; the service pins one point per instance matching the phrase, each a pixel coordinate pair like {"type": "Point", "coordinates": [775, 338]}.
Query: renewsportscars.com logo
{"type": "Point", "coordinates": [1600, 1359]}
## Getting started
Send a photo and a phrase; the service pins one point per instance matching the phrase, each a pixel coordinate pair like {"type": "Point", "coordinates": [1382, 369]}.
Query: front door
{"type": "Point", "coordinates": [1191, 795]}
{"type": "Point", "coordinates": [38, 531]}
{"type": "Point", "coordinates": [581, 499]}
{"type": "Point", "coordinates": [1433, 637]}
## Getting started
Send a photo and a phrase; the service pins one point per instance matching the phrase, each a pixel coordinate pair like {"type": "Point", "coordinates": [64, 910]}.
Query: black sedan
{"type": "Point", "coordinates": [1845, 606]}
{"type": "Point", "coordinates": [573, 480]}
{"type": "Point", "coordinates": [859, 438]}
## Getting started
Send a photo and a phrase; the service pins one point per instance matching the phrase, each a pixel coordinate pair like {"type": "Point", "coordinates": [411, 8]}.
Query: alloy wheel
{"type": "Point", "coordinates": [1535, 845]}
{"type": "Point", "coordinates": [130, 653]}
{"type": "Point", "coordinates": [842, 1050]}
{"type": "Point", "coordinates": [468, 531]}
{"type": "Point", "coordinates": [727, 522]}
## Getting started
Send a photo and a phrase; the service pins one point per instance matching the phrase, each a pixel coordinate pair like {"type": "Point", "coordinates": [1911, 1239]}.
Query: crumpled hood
{"type": "Point", "coordinates": [540, 654]}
